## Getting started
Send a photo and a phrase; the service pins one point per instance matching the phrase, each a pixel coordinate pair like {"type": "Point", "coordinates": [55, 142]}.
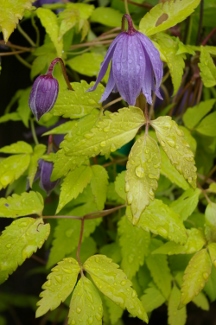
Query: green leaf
{"type": "Point", "coordinates": [20, 240]}
{"type": "Point", "coordinates": [12, 168]}
{"type": "Point", "coordinates": [195, 242]}
{"type": "Point", "coordinates": [112, 251]}
{"type": "Point", "coordinates": [168, 170]}
{"type": "Point", "coordinates": [14, 116]}
{"type": "Point", "coordinates": [193, 115]}
{"type": "Point", "coordinates": [133, 254]}
{"type": "Point", "coordinates": [99, 183]}
{"type": "Point", "coordinates": [86, 305]}
{"type": "Point", "coordinates": [210, 222]}
{"type": "Point", "coordinates": [169, 47]}
{"type": "Point", "coordinates": [207, 125]}
{"type": "Point", "coordinates": [120, 185]}
{"type": "Point", "coordinates": [39, 150]}
{"type": "Point", "coordinates": [10, 13]}
{"type": "Point", "coordinates": [63, 163]}
{"type": "Point", "coordinates": [107, 16]}
{"type": "Point", "coordinates": [21, 205]}
{"type": "Point", "coordinates": [87, 64]}
{"type": "Point", "coordinates": [74, 184]}
{"type": "Point", "coordinates": [23, 106]}
{"type": "Point", "coordinates": [172, 141]}
{"type": "Point", "coordinates": [207, 68]}
{"type": "Point", "coordinates": [211, 285]}
{"type": "Point", "coordinates": [143, 171]}
{"type": "Point", "coordinates": [186, 203]}
{"type": "Point", "coordinates": [166, 14]}
{"type": "Point", "coordinates": [152, 298]}
{"type": "Point", "coordinates": [49, 21]}
{"type": "Point", "coordinates": [18, 147]}
{"type": "Point", "coordinates": [161, 220]}
{"type": "Point", "coordinates": [79, 102]}
{"type": "Point", "coordinates": [212, 252]}
{"type": "Point", "coordinates": [201, 301]}
{"type": "Point", "coordinates": [115, 312]}
{"type": "Point", "coordinates": [113, 283]}
{"type": "Point", "coordinates": [111, 132]}
{"type": "Point", "coordinates": [60, 283]}
{"type": "Point", "coordinates": [195, 276]}
{"type": "Point", "coordinates": [160, 272]}
{"type": "Point", "coordinates": [176, 316]}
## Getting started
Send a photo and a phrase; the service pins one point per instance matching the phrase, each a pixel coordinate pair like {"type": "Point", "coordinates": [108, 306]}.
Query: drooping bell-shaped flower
{"type": "Point", "coordinates": [136, 66]}
{"type": "Point", "coordinates": [43, 95]}
{"type": "Point", "coordinates": [45, 171]}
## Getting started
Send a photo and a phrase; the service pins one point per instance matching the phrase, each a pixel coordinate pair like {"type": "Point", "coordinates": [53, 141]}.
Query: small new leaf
{"type": "Point", "coordinates": [86, 304]}
{"type": "Point", "coordinates": [143, 171]}
{"type": "Point", "coordinates": [133, 254]}
{"type": "Point", "coordinates": [19, 241]}
{"type": "Point", "coordinates": [21, 205]}
{"type": "Point", "coordinates": [195, 276]}
{"type": "Point", "coordinates": [172, 141]}
{"type": "Point", "coordinates": [166, 14]}
{"type": "Point", "coordinates": [176, 316]}
{"type": "Point", "coordinates": [73, 184]}
{"type": "Point", "coordinates": [18, 147]}
{"type": "Point", "coordinates": [161, 220]}
{"type": "Point", "coordinates": [113, 283]}
{"type": "Point", "coordinates": [207, 68]}
{"type": "Point", "coordinates": [60, 283]}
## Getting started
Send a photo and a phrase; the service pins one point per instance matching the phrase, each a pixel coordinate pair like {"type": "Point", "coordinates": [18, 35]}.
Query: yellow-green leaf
{"type": "Point", "coordinates": [10, 13]}
{"type": "Point", "coordinates": [18, 147]}
{"type": "Point", "coordinates": [207, 68]}
{"type": "Point", "coordinates": [99, 183]}
{"type": "Point", "coordinates": [86, 304]}
{"type": "Point", "coordinates": [107, 16]}
{"type": "Point", "coordinates": [143, 171]}
{"type": "Point", "coordinates": [87, 64]}
{"type": "Point", "coordinates": [60, 283]}
{"type": "Point", "coordinates": [173, 142]}
{"type": "Point", "coordinates": [166, 14]}
{"type": "Point", "coordinates": [12, 168]}
{"type": "Point", "coordinates": [73, 184]}
{"type": "Point", "coordinates": [152, 298]}
{"type": "Point", "coordinates": [21, 205]}
{"type": "Point", "coordinates": [113, 283]}
{"type": "Point", "coordinates": [19, 241]}
{"type": "Point", "coordinates": [161, 220]}
{"type": "Point", "coordinates": [212, 252]}
{"type": "Point", "coordinates": [176, 316]}
{"type": "Point", "coordinates": [195, 276]}
{"type": "Point", "coordinates": [49, 21]}
{"type": "Point", "coordinates": [207, 125]}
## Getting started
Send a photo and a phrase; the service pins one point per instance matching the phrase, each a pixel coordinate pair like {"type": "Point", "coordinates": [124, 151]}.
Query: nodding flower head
{"type": "Point", "coordinates": [136, 66]}
{"type": "Point", "coordinates": [43, 95]}
{"type": "Point", "coordinates": [46, 168]}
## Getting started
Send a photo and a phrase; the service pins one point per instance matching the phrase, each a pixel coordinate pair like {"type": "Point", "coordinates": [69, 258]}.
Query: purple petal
{"type": "Point", "coordinates": [46, 168]}
{"type": "Point", "coordinates": [109, 87]}
{"type": "Point", "coordinates": [106, 62]}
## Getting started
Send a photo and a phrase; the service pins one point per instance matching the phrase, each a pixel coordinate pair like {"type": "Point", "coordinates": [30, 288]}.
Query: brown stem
{"type": "Point", "coordinates": [51, 67]}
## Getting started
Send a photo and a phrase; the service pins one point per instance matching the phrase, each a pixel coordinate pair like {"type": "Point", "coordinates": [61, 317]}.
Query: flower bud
{"type": "Point", "coordinates": [43, 95]}
{"type": "Point", "coordinates": [46, 168]}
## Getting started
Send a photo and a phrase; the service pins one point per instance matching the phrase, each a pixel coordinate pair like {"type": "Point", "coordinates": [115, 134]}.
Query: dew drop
{"type": "Point", "coordinates": [162, 143]}
{"type": "Point", "coordinates": [161, 231]}
{"type": "Point", "coordinates": [8, 245]}
{"type": "Point", "coordinates": [133, 294]}
{"type": "Point", "coordinates": [189, 158]}
{"type": "Point", "coordinates": [106, 129]}
{"type": "Point", "coordinates": [88, 135]}
{"type": "Point", "coordinates": [58, 278]}
{"type": "Point", "coordinates": [190, 179]}
{"type": "Point", "coordinates": [103, 144]}
{"type": "Point", "coordinates": [123, 283]}
{"type": "Point", "coordinates": [151, 193]}
{"type": "Point", "coordinates": [152, 176]}
{"type": "Point", "coordinates": [171, 143]}
{"type": "Point", "coordinates": [73, 322]}
{"type": "Point", "coordinates": [127, 187]}
{"type": "Point", "coordinates": [90, 320]}
{"type": "Point", "coordinates": [78, 310]}
{"type": "Point", "coordinates": [130, 198]}
{"type": "Point", "coordinates": [98, 316]}
{"type": "Point", "coordinates": [113, 147]}
{"type": "Point", "coordinates": [205, 275]}
{"type": "Point", "coordinates": [140, 172]}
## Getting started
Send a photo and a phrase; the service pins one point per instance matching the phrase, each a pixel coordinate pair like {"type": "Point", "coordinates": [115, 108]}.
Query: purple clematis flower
{"type": "Point", "coordinates": [136, 66]}
{"type": "Point", "coordinates": [46, 168]}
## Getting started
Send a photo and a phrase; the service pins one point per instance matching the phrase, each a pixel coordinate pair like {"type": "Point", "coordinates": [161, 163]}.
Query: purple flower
{"type": "Point", "coordinates": [43, 95]}
{"type": "Point", "coordinates": [46, 168]}
{"type": "Point", "coordinates": [136, 66]}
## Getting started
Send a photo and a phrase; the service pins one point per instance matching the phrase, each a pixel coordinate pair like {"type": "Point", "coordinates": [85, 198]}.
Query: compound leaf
{"type": "Point", "coordinates": [60, 283]}
{"type": "Point", "coordinates": [195, 276]}
{"type": "Point", "coordinates": [113, 283]}
{"type": "Point", "coordinates": [12, 168]}
{"type": "Point", "coordinates": [19, 241]}
{"type": "Point", "coordinates": [10, 13]}
{"type": "Point", "coordinates": [176, 316]}
{"type": "Point", "coordinates": [77, 103]}
{"type": "Point", "coordinates": [161, 220]}
{"type": "Point", "coordinates": [133, 254]}
{"type": "Point", "coordinates": [166, 14]}
{"type": "Point", "coordinates": [74, 184]}
{"type": "Point", "coordinates": [99, 183]}
{"type": "Point", "coordinates": [172, 141]}
{"type": "Point", "coordinates": [143, 171]}
{"type": "Point", "coordinates": [86, 304]}
{"type": "Point", "coordinates": [21, 205]}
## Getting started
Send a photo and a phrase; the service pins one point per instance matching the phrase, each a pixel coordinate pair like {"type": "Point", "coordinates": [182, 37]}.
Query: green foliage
{"type": "Point", "coordinates": [87, 63]}
{"type": "Point", "coordinates": [143, 171]}
{"type": "Point", "coordinates": [19, 241]}
{"type": "Point", "coordinates": [152, 298]}
{"type": "Point", "coordinates": [207, 68]}
{"type": "Point", "coordinates": [113, 283]}
{"type": "Point", "coordinates": [107, 16]}
{"type": "Point", "coordinates": [176, 316]}
{"type": "Point", "coordinates": [63, 278]}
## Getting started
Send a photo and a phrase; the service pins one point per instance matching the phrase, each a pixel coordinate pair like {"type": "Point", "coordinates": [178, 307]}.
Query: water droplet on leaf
{"type": "Point", "coordinates": [140, 172]}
